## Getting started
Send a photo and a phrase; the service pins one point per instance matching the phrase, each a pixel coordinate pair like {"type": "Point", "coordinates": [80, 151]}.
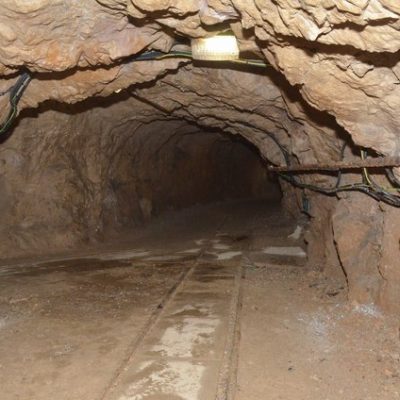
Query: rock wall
{"type": "Point", "coordinates": [76, 174]}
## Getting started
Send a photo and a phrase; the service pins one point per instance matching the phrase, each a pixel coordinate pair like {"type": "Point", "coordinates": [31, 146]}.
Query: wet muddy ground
{"type": "Point", "coordinates": [212, 303]}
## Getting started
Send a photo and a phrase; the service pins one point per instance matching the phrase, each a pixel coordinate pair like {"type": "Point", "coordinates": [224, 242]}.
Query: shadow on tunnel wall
{"type": "Point", "coordinates": [175, 165]}
{"type": "Point", "coordinates": [71, 175]}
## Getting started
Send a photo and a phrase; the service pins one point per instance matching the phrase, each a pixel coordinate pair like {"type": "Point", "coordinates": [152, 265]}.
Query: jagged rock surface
{"type": "Point", "coordinates": [76, 174]}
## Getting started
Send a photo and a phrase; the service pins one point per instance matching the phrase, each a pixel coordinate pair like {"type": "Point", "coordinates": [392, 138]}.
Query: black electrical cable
{"type": "Point", "coordinates": [339, 177]}
{"type": "Point", "coordinates": [295, 181]}
{"type": "Point", "coordinates": [16, 92]}
{"type": "Point", "coordinates": [381, 191]}
{"type": "Point", "coordinates": [372, 190]}
{"type": "Point", "coordinates": [158, 55]}
{"type": "Point", "coordinates": [391, 177]}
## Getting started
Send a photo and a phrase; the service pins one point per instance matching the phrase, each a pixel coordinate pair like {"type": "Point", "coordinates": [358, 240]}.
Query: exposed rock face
{"type": "Point", "coordinates": [358, 232]}
{"type": "Point", "coordinates": [334, 78]}
{"type": "Point", "coordinates": [388, 266]}
{"type": "Point", "coordinates": [63, 35]}
{"type": "Point", "coordinates": [75, 174]}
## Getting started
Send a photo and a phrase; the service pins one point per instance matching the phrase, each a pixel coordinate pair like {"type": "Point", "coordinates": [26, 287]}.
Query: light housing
{"type": "Point", "coordinates": [215, 48]}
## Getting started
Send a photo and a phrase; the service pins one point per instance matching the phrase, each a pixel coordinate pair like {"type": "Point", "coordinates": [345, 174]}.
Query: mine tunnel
{"type": "Point", "coordinates": [199, 200]}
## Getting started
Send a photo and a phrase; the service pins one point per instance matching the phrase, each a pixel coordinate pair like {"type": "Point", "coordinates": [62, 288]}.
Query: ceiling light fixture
{"type": "Point", "coordinates": [215, 48]}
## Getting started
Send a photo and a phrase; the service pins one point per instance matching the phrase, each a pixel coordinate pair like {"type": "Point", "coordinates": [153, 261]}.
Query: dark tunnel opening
{"type": "Point", "coordinates": [172, 165]}
{"type": "Point", "coordinates": [104, 173]}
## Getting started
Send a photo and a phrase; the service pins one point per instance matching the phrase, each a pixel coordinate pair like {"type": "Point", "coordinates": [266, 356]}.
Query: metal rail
{"type": "Point", "coordinates": [380, 162]}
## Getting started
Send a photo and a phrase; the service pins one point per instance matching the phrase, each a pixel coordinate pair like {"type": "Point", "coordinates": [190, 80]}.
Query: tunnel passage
{"type": "Point", "coordinates": [173, 165]}
{"type": "Point", "coordinates": [200, 304]}
{"type": "Point", "coordinates": [109, 168]}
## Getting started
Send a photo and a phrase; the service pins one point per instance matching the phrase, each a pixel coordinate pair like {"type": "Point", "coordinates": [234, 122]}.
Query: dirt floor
{"type": "Point", "coordinates": [214, 302]}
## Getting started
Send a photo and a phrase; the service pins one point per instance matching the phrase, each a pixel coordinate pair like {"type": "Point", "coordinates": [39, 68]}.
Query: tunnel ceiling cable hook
{"type": "Point", "coordinates": [16, 92]}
